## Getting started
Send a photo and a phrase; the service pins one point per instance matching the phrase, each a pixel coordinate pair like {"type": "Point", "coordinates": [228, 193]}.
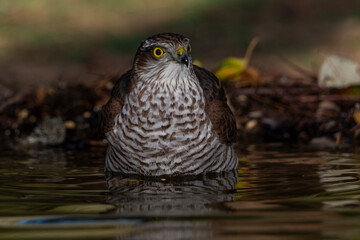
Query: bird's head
{"type": "Point", "coordinates": [164, 57]}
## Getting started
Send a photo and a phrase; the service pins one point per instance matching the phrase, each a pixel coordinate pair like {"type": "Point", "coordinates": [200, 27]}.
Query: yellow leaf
{"type": "Point", "coordinates": [234, 67]}
{"type": "Point", "coordinates": [230, 67]}
{"type": "Point", "coordinates": [70, 124]}
{"type": "Point", "coordinates": [24, 113]}
{"type": "Point", "coordinates": [357, 116]}
{"type": "Point", "coordinates": [197, 63]}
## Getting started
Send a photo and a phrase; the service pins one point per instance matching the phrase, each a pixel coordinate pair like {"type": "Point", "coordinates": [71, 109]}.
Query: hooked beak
{"type": "Point", "coordinates": [182, 57]}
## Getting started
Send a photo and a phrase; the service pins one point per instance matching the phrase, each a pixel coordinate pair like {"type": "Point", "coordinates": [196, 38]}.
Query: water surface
{"type": "Point", "coordinates": [275, 194]}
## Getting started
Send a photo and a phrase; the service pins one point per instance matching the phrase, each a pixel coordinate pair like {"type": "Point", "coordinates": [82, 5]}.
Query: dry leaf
{"type": "Point", "coordinates": [339, 72]}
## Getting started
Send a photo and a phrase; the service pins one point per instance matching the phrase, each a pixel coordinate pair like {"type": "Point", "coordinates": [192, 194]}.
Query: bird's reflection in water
{"type": "Point", "coordinates": [176, 196]}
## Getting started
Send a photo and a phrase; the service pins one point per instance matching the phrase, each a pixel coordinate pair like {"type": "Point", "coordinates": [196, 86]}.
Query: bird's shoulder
{"type": "Point", "coordinates": [114, 105]}
{"type": "Point", "coordinates": [122, 85]}
{"type": "Point", "coordinates": [216, 106]}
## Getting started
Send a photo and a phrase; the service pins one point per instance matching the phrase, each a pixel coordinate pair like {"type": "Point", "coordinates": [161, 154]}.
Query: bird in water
{"type": "Point", "coordinates": [167, 116]}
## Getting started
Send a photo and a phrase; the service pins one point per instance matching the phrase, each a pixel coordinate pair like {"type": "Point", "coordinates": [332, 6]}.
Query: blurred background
{"type": "Point", "coordinates": [57, 59]}
{"type": "Point", "coordinates": [42, 41]}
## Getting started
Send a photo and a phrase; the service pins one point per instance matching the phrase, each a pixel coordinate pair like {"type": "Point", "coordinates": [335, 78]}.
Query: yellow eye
{"type": "Point", "coordinates": [189, 48]}
{"type": "Point", "coordinates": [158, 52]}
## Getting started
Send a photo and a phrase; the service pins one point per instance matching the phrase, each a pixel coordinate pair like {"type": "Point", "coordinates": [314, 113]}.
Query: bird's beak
{"type": "Point", "coordinates": [182, 57]}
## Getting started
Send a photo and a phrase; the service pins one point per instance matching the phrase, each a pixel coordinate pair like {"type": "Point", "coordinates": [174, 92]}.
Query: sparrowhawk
{"type": "Point", "coordinates": [167, 116]}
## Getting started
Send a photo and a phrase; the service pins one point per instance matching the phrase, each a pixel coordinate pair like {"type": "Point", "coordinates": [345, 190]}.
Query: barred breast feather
{"type": "Point", "coordinates": [186, 129]}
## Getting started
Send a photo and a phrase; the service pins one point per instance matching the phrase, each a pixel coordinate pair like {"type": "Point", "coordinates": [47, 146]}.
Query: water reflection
{"type": "Point", "coordinates": [52, 194]}
{"type": "Point", "coordinates": [160, 197]}
{"type": "Point", "coordinates": [340, 179]}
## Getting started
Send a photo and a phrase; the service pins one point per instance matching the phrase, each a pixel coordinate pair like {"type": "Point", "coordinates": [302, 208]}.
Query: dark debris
{"type": "Point", "coordinates": [282, 109]}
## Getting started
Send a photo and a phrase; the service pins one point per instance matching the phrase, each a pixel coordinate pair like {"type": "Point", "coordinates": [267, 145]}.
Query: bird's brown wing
{"type": "Point", "coordinates": [216, 106]}
{"type": "Point", "coordinates": [114, 105]}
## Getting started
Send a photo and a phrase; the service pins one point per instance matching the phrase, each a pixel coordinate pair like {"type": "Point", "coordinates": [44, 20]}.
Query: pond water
{"type": "Point", "coordinates": [276, 194]}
